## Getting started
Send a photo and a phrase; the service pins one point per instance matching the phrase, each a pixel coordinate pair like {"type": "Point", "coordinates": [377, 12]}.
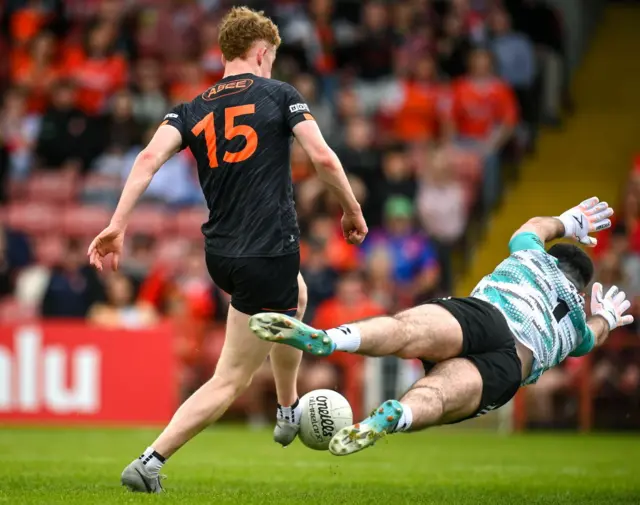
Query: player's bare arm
{"type": "Point", "coordinates": [330, 171]}
{"type": "Point", "coordinates": [590, 216]}
{"type": "Point", "coordinates": [545, 228]}
{"type": "Point", "coordinates": [600, 329]}
{"type": "Point", "coordinates": [164, 144]}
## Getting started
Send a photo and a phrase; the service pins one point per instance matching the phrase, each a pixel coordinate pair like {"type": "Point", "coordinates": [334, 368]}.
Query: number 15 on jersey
{"type": "Point", "coordinates": [231, 130]}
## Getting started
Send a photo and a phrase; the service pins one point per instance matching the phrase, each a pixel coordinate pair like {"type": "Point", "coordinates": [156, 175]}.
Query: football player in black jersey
{"type": "Point", "coordinates": [240, 131]}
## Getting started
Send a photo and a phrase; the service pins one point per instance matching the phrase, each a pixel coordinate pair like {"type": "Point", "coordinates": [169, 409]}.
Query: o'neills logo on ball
{"type": "Point", "coordinates": [320, 417]}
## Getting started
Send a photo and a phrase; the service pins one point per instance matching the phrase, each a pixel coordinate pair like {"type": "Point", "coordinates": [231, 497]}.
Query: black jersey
{"type": "Point", "coordinates": [239, 131]}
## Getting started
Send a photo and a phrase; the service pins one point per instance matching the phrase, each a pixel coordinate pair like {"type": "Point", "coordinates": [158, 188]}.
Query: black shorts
{"type": "Point", "coordinates": [489, 344]}
{"type": "Point", "coordinates": [265, 284]}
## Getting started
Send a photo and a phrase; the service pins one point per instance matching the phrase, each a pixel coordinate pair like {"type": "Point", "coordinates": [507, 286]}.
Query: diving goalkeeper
{"type": "Point", "coordinates": [525, 317]}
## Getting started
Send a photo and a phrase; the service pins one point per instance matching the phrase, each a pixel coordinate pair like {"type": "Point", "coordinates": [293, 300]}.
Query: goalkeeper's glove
{"type": "Point", "coordinates": [588, 217]}
{"type": "Point", "coordinates": [611, 306]}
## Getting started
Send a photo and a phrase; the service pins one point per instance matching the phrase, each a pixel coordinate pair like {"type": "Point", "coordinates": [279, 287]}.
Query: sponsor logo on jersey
{"type": "Point", "coordinates": [171, 115]}
{"type": "Point", "coordinates": [226, 89]}
{"type": "Point", "coordinates": [298, 107]}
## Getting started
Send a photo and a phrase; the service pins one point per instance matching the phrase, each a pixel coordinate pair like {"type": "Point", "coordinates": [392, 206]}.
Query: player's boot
{"type": "Point", "coordinates": [136, 478]}
{"type": "Point", "coordinates": [285, 432]}
{"type": "Point", "coordinates": [366, 433]}
{"type": "Point", "coordinates": [283, 329]}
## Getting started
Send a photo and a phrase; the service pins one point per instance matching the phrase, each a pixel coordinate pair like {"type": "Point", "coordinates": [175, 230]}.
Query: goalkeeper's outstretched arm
{"type": "Point", "coordinates": [588, 217]}
{"type": "Point", "coordinates": [545, 228]}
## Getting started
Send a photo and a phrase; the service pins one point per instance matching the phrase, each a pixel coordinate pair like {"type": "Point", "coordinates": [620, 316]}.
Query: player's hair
{"type": "Point", "coordinates": [241, 28]}
{"type": "Point", "coordinates": [574, 263]}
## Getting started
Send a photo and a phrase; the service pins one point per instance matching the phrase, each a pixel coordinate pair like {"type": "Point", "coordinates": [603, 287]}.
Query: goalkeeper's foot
{"type": "Point", "coordinates": [282, 329]}
{"type": "Point", "coordinates": [135, 478]}
{"type": "Point", "coordinates": [366, 433]}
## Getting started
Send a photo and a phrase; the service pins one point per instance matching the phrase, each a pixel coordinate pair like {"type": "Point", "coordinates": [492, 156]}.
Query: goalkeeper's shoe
{"type": "Point", "coordinates": [366, 433]}
{"type": "Point", "coordinates": [136, 479]}
{"type": "Point", "coordinates": [285, 432]}
{"type": "Point", "coordinates": [283, 329]}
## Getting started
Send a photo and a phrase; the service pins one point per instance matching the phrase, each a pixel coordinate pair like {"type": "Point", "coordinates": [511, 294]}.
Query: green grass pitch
{"type": "Point", "coordinates": [230, 465]}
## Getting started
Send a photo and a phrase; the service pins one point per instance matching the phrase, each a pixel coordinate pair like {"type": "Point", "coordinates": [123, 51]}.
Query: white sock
{"type": "Point", "coordinates": [346, 337]}
{"type": "Point", "coordinates": [404, 423]}
{"type": "Point", "coordinates": [291, 414]}
{"type": "Point", "coordinates": [152, 461]}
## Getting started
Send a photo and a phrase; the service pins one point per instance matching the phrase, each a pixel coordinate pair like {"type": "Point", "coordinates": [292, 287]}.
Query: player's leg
{"type": "Point", "coordinates": [285, 362]}
{"type": "Point", "coordinates": [239, 360]}
{"type": "Point", "coordinates": [452, 391]}
{"type": "Point", "coordinates": [253, 284]}
{"type": "Point", "coordinates": [428, 332]}
{"type": "Point", "coordinates": [241, 356]}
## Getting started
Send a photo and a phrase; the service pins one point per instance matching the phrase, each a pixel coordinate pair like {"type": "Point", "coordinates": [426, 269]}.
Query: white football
{"type": "Point", "coordinates": [324, 413]}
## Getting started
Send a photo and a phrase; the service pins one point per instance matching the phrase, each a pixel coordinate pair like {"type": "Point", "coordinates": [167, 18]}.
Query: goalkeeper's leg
{"type": "Point", "coordinates": [428, 332]}
{"type": "Point", "coordinates": [452, 391]}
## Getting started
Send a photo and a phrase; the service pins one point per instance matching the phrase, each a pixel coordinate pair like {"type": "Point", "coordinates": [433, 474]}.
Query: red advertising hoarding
{"type": "Point", "coordinates": [72, 372]}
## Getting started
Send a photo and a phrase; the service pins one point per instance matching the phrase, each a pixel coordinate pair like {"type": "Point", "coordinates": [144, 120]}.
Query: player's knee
{"type": "Point", "coordinates": [407, 346]}
{"type": "Point", "coordinates": [235, 383]}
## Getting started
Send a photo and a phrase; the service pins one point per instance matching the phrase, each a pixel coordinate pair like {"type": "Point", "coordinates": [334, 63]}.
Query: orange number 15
{"type": "Point", "coordinates": [231, 131]}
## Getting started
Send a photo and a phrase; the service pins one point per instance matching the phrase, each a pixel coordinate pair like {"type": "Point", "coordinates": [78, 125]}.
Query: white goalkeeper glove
{"type": "Point", "coordinates": [588, 217]}
{"type": "Point", "coordinates": [611, 306]}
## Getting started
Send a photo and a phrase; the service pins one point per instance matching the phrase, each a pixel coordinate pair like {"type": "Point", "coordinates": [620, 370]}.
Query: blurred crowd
{"type": "Point", "coordinates": [430, 105]}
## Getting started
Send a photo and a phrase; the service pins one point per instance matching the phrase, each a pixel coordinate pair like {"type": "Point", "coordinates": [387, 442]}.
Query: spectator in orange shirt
{"type": "Point", "coordinates": [351, 303]}
{"type": "Point", "coordinates": [36, 70]}
{"type": "Point", "coordinates": [97, 70]}
{"type": "Point", "coordinates": [484, 116]}
{"type": "Point", "coordinates": [418, 105]}
{"type": "Point", "coordinates": [325, 230]}
{"type": "Point", "coordinates": [192, 82]}
{"type": "Point", "coordinates": [27, 20]}
{"type": "Point", "coordinates": [301, 166]}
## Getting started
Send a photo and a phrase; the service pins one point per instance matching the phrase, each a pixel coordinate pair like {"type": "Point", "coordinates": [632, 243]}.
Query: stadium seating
{"type": "Point", "coordinates": [84, 221]}
{"type": "Point", "coordinates": [51, 187]}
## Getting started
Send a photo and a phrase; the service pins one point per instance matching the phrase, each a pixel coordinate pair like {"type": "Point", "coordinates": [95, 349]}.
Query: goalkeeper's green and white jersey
{"type": "Point", "coordinates": [543, 309]}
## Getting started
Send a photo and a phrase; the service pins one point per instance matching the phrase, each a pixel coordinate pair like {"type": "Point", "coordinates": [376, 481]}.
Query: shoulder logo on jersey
{"type": "Point", "coordinates": [171, 115]}
{"type": "Point", "coordinates": [226, 89]}
{"type": "Point", "coordinates": [298, 107]}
